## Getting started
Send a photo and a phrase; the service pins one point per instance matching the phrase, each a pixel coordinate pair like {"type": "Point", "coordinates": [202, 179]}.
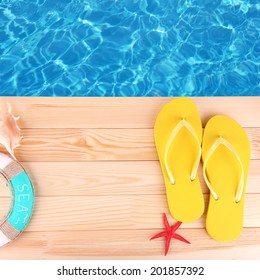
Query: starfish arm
{"type": "Point", "coordinates": [161, 234]}
{"type": "Point", "coordinates": [176, 226]}
{"type": "Point", "coordinates": [177, 236]}
{"type": "Point", "coordinates": [166, 223]}
{"type": "Point", "coordinates": [167, 244]}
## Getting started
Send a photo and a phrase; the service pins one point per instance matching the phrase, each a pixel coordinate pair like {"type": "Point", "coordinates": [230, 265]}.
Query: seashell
{"type": "Point", "coordinates": [10, 133]}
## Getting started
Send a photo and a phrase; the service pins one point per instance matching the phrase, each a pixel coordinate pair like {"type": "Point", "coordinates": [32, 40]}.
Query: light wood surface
{"type": "Point", "coordinates": [98, 184]}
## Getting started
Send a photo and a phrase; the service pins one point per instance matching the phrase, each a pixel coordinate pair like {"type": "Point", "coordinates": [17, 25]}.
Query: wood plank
{"type": "Point", "coordinates": [98, 144]}
{"type": "Point", "coordinates": [114, 212]}
{"type": "Point", "coordinates": [130, 244]}
{"type": "Point", "coordinates": [106, 178]}
{"type": "Point", "coordinates": [86, 145]}
{"type": "Point", "coordinates": [128, 112]}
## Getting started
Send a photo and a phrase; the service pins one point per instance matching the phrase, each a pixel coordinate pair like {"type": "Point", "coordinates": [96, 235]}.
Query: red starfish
{"type": "Point", "coordinates": [169, 233]}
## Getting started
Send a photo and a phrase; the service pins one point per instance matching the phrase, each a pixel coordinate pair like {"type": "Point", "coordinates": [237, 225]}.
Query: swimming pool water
{"type": "Point", "coordinates": [129, 47]}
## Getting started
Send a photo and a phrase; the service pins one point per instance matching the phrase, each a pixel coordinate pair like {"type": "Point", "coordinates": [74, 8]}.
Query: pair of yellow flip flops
{"type": "Point", "coordinates": [225, 151]}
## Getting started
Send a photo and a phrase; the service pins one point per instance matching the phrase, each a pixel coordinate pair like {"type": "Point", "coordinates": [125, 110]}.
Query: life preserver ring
{"type": "Point", "coordinates": [22, 194]}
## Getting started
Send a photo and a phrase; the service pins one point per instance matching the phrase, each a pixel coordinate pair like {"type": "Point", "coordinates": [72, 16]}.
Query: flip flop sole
{"type": "Point", "coordinates": [224, 221]}
{"type": "Point", "coordinates": [185, 199]}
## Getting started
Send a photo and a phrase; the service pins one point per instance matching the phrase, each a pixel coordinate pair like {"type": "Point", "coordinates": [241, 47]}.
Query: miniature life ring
{"type": "Point", "coordinates": [22, 194]}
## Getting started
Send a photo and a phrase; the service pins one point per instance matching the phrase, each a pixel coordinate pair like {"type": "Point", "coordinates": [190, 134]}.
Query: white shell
{"type": "Point", "coordinates": [10, 133]}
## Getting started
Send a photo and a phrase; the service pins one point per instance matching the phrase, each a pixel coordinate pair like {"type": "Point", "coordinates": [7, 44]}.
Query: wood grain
{"type": "Point", "coordinates": [119, 178]}
{"type": "Point", "coordinates": [107, 212]}
{"type": "Point", "coordinates": [134, 112]}
{"type": "Point", "coordinates": [114, 245]}
{"type": "Point", "coordinates": [98, 144]}
{"type": "Point", "coordinates": [99, 189]}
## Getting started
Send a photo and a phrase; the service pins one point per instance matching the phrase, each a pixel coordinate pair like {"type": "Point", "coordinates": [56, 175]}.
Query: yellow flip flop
{"type": "Point", "coordinates": [178, 136]}
{"type": "Point", "coordinates": [226, 157]}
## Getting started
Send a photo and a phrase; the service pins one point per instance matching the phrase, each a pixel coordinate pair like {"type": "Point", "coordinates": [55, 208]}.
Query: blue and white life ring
{"type": "Point", "coordinates": [22, 194]}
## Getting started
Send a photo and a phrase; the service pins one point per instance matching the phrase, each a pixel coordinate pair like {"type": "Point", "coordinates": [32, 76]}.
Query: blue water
{"type": "Point", "coordinates": [129, 47]}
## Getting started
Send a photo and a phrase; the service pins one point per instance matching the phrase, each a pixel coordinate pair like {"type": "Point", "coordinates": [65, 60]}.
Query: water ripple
{"type": "Point", "coordinates": [129, 47]}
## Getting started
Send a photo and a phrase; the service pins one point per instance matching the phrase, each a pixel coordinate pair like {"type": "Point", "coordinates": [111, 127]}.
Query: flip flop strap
{"type": "Point", "coordinates": [229, 146]}
{"type": "Point", "coordinates": [183, 123]}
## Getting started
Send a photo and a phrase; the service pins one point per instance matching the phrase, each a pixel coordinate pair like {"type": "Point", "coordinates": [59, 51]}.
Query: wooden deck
{"type": "Point", "coordinates": [98, 184]}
